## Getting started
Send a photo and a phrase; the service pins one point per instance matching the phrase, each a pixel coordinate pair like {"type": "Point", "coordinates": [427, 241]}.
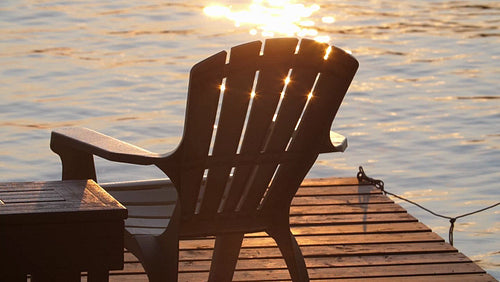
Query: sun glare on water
{"type": "Point", "coordinates": [274, 18]}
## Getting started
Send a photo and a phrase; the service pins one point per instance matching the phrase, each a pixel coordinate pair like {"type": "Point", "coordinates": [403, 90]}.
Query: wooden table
{"type": "Point", "coordinates": [56, 230]}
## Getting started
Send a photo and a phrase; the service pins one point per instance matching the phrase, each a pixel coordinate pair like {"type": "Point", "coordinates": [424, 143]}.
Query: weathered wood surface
{"type": "Point", "coordinates": [56, 201]}
{"type": "Point", "coordinates": [347, 232]}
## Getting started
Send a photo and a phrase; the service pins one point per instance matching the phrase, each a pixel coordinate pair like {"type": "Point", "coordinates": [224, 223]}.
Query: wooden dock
{"type": "Point", "coordinates": [347, 232]}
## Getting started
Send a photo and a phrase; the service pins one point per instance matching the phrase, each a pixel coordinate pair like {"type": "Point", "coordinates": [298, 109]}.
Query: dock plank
{"type": "Point", "coordinates": [349, 272]}
{"type": "Point", "coordinates": [347, 232]}
{"type": "Point", "coordinates": [253, 242]}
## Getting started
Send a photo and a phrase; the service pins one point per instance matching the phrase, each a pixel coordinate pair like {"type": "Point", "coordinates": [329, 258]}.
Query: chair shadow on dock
{"type": "Point", "coordinates": [364, 200]}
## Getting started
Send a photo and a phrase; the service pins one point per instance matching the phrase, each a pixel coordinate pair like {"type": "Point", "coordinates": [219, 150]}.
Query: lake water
{"type": "Point", "coordinates": [423, 112]}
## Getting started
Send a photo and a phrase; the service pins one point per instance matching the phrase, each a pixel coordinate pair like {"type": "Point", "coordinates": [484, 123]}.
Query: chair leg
{"type": "Point", "coordinates": [291, 252]}
{"type": "Point", "coordinates": [226, 251]}
{"type": "Point", "coordinates": [159, 258]}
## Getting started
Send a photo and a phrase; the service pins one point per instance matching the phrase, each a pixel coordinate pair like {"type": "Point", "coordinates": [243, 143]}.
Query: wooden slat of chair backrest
{"type": "Point", "coordinates": [202, 102]}
{"type": "Point", "coordinates": [328, 94]}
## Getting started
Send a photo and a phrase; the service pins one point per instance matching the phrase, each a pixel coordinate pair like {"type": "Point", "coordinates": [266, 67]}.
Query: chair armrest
{"type": "Point", "coordinates": [94, 143]}
{"type": "Point", "coordinates": [339, 142]}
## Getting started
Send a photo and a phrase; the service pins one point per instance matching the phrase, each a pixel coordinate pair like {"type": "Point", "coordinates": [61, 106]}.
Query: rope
{"type": "Point", "coordinates": [379, 184]}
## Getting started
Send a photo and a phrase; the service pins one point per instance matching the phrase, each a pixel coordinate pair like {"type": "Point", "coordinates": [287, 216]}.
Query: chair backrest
{"type": "Point", "coordinates": [255, 124]}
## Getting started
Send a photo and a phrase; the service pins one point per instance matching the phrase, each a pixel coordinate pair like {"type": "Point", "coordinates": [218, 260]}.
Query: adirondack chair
{"type": "Point", "coordinates": [274, 120]}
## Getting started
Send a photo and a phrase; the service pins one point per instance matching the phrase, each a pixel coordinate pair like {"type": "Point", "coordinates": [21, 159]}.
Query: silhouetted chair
{"type": "Point", "coordinates": [240, 163]}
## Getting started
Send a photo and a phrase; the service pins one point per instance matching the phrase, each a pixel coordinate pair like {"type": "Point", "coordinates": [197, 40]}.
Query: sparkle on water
{"type": "Point", "coordinates": [274, 18]}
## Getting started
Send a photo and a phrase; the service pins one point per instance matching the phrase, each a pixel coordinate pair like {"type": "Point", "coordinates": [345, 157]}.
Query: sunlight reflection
{"type": "Point", "coordinates": [287, 80]}
{"type": "Point", "coordinates": [327, 52]}
{"type": "Point", "coordinates": [328, 20]}
{"type": "Point", "coordinates": [275, 17]}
